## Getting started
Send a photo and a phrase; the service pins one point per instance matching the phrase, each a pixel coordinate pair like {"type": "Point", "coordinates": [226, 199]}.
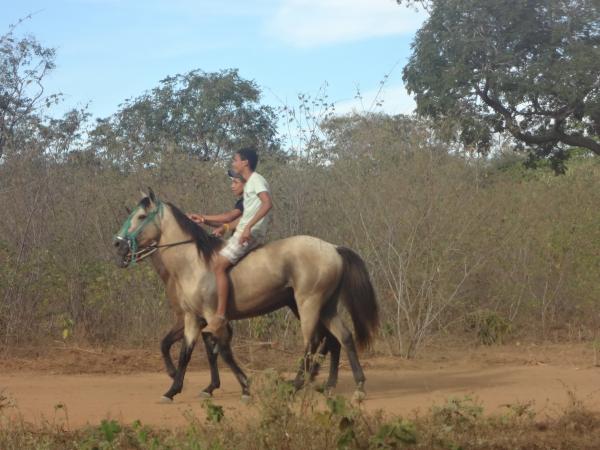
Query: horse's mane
{"type": "Point", "coordinates": [207, 244]}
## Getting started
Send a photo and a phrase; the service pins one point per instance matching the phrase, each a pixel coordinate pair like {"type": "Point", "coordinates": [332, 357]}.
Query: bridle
{"type": "Point", "coordinates": [130, 237]}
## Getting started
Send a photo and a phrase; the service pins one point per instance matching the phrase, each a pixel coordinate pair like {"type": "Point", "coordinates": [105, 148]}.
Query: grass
{"type": "Point", "coordinates": [306, 420]}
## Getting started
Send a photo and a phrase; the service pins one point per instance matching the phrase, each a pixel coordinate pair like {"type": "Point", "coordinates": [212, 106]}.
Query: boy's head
{"type": "Point", "coordinates": [245, 157]}
{"type": "Point", "coordinates": [237, 182]}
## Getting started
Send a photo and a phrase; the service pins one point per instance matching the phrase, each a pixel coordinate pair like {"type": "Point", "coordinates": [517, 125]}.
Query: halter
{"type": "Point", "coordinates": [130, 237]}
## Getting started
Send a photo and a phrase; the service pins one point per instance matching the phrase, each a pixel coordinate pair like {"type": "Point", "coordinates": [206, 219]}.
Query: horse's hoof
{"type": "Point", "coordinates": [204, 394]}
{"type": "Point", "coordinates": [246, 399]}
{"type": "Point", "coordinates": [359, 396]}
{"type": "Point", "coordinates": [165, 400]}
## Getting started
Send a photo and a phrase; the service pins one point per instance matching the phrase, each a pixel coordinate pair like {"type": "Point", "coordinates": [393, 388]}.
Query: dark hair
{"type": "Point", "coordinates": [249, 154]}
{"type": "Point", "coordinates": [207, 244]}
{"type": "Point", "coordinates": [235, 176]}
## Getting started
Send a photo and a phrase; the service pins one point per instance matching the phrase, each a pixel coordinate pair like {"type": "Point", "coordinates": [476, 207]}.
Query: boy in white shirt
{"type": "Point", "coordinates": [250, 231]}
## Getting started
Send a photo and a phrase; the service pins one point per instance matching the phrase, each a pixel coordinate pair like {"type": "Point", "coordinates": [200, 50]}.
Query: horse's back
{"type": "Point", "coordinates": [300, 262]}
{"type": "Point", "coordinates": [290, 251]}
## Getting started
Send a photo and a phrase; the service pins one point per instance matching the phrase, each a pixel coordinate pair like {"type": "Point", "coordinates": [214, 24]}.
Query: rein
{"type": "Point", "coordinates": [150, 249]}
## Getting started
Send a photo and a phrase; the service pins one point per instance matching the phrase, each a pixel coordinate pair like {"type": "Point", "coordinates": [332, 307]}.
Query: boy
{"type": "Point", "coordinates": [228, 220]}
{"type": "Point", "coordinates": [250, 232]}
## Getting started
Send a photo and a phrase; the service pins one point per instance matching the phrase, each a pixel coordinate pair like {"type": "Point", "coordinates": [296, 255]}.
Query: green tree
{"type": "Point", "coordinates": [24, 66]}
{"type": "Point", "coordinates": [530, 68]}
{"type": "Point", "coordinates": [207, 115]}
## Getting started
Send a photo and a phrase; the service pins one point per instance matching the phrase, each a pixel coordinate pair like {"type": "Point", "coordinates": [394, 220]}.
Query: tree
{"type": "Point", "coordinates": [530, 68]}
{"type": "Point", "coordinates": [206, 115]}
{"type": "Point", "coordinates": [24, 64]}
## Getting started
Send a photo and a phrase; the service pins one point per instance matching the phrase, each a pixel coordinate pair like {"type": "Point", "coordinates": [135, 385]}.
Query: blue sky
{"type": "Point", "coordinates": [111, 50]}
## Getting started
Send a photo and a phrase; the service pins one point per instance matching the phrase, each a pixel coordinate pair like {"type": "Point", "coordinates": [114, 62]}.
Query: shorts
{"type": "Point", "coordinates": [234, 251]}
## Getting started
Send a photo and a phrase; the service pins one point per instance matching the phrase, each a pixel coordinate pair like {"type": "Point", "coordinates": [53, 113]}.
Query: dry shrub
{"type": "Point", "coordinates": [444, 235]}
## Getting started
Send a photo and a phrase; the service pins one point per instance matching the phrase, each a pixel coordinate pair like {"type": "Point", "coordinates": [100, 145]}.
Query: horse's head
{"type": "Point", "coordinates": [140, 230]}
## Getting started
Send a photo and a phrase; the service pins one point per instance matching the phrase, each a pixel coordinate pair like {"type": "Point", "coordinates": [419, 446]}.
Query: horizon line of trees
{"type": "Point", "coordinates": [528, 72]}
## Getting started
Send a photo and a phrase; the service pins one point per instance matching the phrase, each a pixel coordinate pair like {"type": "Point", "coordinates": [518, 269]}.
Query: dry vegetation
{"type": "Point", "coordinates": [457, 246]}
{"type": "Point", "coordinates": [283, 420]}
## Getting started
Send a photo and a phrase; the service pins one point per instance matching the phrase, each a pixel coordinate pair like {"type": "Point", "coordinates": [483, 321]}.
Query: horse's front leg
{"type": "Point", "coordinates": [174, 335]}
{"type": "Point", "coordinates": [191, 332]}
{"type": "Point", "coordinates": [224, 345]}
{"type": "Point", "coordinates": [332, 345]}
{"type": "Point", "coordinates": [215, 381]}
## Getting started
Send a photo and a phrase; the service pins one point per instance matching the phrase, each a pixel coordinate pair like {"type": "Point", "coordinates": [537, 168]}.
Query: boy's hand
{"type": "Point", "coordinates": [245, 237]}
{"type": "Point", "coordinates": [199, 219]}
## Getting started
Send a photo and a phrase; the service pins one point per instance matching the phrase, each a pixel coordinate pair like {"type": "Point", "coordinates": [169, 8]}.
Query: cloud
{"type": "Point", "coordinates": [390, 100]}
{"type": "Point", "coordinates": [309, 23]}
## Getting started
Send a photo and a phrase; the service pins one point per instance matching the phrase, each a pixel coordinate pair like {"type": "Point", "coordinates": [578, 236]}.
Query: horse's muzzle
{"type": "Point", "coordinates": [123, 251]}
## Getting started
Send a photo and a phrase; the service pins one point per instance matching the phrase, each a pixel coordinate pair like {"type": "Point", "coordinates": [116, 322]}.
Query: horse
{"type": "Point", "coordinates": [316, 274]}
{"type": "Point", "coordinates": [324, 341]}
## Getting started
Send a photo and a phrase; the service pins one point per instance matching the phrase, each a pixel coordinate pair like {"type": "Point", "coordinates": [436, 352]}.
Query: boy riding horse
{"type": "Point", "coordinates": [250, 231]}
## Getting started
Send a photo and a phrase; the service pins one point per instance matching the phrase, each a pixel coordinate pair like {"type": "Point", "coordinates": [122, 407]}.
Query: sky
{"type": "Point", "coordinates": [108, 51]}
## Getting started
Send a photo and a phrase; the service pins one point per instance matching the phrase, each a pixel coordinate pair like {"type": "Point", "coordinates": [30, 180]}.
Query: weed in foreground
{"type": "Point", "coordinates": [305, 420]}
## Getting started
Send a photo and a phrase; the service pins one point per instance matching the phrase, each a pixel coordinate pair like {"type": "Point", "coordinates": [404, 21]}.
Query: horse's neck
{"type": "Point", "coordinates": [178, 260]}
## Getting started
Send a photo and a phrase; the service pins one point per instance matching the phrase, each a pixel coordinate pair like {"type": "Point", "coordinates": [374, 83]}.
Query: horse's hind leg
{"type": "Point", "coordinates": [328, 343]}
{"type": "Point", "coordinates": [309, 318]}
{"type": "Point", "coordinates": [191, 332]}
{"type": "Point", "coordinates": [343, 334]}
{"type": "Point", "coordinates": [227, 355]}
{"type": "Point", "coordinates": [314, 363]}
{"type": "Point", "coordinates": [322, 348]}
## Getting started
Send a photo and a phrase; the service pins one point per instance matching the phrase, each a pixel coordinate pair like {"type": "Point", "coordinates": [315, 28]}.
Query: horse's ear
{"type": "Point", "coordinates": [143, 194]}
{"type": "Point", "coordinates": [151, 195]}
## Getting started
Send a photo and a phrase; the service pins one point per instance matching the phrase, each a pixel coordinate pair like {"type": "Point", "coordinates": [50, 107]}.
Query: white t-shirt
{"type": "Point", "coordinates": [254, 186]}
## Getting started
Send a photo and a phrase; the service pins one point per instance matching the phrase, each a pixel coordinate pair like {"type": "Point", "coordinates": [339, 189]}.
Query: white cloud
{"type": "Point", "coordinates": [308, 23]}
{"type": "Point", "coordinates": [390, 100]}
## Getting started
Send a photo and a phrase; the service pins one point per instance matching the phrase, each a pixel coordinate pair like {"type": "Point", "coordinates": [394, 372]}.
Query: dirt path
{"type": "Point", "coordinates": [89, 398]}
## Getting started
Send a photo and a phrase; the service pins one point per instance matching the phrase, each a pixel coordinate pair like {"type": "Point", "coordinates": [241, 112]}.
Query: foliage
{"type": "Point", "coordinates": [491, 328]}
{"type": "Point", "coordinates": [394, 434]}
{"type": "Point", "coordinates": [204, 115]}
{"type": "Point", "coordinates": [214, 413]}
{"type": "Point", "coordinates": [459, 423]}
{"type": "Point", "coordinates": [526, 68]}
{"type": "Point", "coordinates": [457, 413]}
{"type": "Point", "coordinates": [24, 65]}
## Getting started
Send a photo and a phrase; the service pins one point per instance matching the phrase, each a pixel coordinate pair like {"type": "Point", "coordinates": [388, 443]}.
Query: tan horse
{"type": "Point", "coordinates": [315, 273]}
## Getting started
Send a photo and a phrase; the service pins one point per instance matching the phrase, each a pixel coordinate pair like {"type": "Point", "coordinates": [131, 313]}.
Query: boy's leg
{"type": "Point", "coordinates": [217, 323]}
{"type": "Point", "coordinates": [227, 257]}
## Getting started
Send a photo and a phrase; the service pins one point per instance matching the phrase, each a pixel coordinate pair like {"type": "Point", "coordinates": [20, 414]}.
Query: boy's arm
{"type": "Point", "coordinates": [233, 224]}
{"type": "Point", "coordinates": [217, 219]}
{"type": "Point", "coordinates": [265, 207]}
{"type": "Point", "coordinates": [227, 227]}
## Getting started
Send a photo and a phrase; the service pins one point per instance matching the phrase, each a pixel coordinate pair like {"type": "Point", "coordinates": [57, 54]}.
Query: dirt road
{"type": "Point", "coordinates": [394, 385]}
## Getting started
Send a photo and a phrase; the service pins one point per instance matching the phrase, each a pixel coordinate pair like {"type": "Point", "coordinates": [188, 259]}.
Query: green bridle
{"type": "Point", "coordinates": [131, 236]}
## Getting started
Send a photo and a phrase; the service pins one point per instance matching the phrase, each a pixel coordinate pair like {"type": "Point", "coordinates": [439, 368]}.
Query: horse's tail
{"type": "Point", "coordinates": [359, 296]}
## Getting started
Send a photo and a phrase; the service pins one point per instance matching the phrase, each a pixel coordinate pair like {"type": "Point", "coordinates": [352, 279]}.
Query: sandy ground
{"type": "Point", "coordinates": [79, 386]}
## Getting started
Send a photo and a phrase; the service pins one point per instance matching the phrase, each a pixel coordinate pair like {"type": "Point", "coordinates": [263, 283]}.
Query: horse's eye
{"type": "Point", "coordinates": [142, 217]}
